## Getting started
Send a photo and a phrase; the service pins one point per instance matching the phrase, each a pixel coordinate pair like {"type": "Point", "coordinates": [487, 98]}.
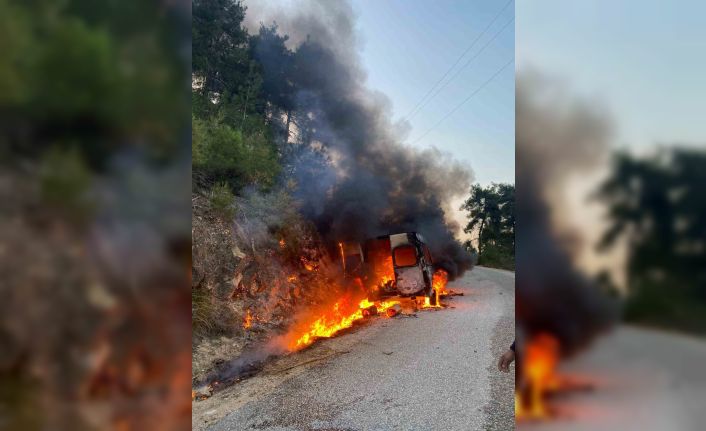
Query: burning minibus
{"type": "Point", "coordinates": [392, 265]}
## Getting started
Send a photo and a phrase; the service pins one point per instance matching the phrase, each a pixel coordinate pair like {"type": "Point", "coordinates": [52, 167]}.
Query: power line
{"type": "Point", "coordinates": [458, 60]}
{"type": "Point", "coordinates": [464, 101]}
{"type": "Point", "coordinates": [463, 67]}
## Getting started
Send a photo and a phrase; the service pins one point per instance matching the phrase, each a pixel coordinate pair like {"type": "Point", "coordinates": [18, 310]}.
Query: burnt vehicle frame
{"type": "Point", "coordinates": [411, 260]}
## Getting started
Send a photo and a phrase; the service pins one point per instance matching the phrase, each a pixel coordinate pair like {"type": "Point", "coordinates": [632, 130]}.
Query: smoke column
{"type": "Point", "coordinates": [557, 136]}
{"type": "Point", "coordinates": [357, 180]}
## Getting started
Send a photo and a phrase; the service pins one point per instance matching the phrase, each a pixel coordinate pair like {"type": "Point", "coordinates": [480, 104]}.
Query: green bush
{"type": "Point", "coordinates": [497, 257]}
{"type": "Point", "coordinates": [226, 154]}
{"type": "Point", "coordinates": [198, 141]}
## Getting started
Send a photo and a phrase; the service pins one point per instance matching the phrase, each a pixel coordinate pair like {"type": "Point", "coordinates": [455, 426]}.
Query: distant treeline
{"type": "Point", "coordinates": [492, 224]}
{"type": "Point", "coordinates": [657, 209]}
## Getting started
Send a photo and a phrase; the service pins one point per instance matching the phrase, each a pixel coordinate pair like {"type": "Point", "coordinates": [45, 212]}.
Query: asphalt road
{"type": "Point", "coordinates": [435, 371]}
{"type": "Point", "coordinates": [642, 380]}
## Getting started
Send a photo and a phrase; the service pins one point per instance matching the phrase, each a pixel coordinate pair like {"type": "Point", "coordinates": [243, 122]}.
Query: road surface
{"type": "Point", "coordinates": [435, 371]}
{"type": "Point", "coordinates": [643, 380]}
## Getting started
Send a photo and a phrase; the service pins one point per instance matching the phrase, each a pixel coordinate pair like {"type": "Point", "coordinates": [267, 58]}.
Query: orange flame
{"type": "Point", "coordinates": [427, 303]}
{"type": "Point", "coordinates": [282, 243]}
{"type": "Point", "coordinates": [343, 257]}
{"type": "Point", "coordinates": [328, 324]}
{"type": "Point", "coordinates": [384, 271]}
{"type": "Point", "coordinates": [539, 362]}
{"type": "Point", "coordinates": [307, 264]}
{"type": "Point", "coordinates": [439, 281]}
{"type": "Point", "coordinates": [247, 322]}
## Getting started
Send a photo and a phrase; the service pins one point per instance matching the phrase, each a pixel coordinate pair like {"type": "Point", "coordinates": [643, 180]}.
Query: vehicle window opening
{"type": "Point", "coordinates": [405, 255]}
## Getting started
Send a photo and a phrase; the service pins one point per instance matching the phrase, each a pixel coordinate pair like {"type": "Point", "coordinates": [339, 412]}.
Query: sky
{"type": "Point", "coordinates": [644, 60]}
{"type": "Point", "coordinates": [408, 45]}
{"type": "Point", "coordinates": [641, 60]}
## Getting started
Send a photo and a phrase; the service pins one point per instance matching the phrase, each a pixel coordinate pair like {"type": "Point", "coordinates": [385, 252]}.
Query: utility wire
{"type": "Point", "coordinates": [458, 60]}
{"type": "Point", "coordinates": [477, 90]}
{"type": "Point", "coordinates": [463, 67]}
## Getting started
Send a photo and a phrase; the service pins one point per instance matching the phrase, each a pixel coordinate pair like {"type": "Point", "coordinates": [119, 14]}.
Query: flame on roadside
{"type": "Point", "coordinates": [341, 316]}
{"type": "Point", "coordinates": [426, 303]}
{"type": "Point", "coordinates": [539, 361]}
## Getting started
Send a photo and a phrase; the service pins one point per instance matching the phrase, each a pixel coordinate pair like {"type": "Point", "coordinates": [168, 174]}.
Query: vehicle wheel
{"type": "Point", "coordinates": [432, 299]}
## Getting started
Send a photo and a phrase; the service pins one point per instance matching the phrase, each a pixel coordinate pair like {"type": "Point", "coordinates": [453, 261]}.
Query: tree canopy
{"type": "Point", "coordinates": [492, 221]}
{"type": "Point", "coordinates": [243, 96]}
{"type": "Point", "coordinates": [656, 205]}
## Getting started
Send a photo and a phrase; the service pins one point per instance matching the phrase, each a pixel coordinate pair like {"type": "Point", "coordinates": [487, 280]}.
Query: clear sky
{"type": "Point", "coordinates": [408, 45]}
{"type": "Point", "coordinates": [645, 60]}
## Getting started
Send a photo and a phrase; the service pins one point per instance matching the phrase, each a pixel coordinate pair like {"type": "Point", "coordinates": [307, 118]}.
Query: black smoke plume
{"type": "Point", "coordinates": [556, 137]}
{"type": "Point", "coordinates": [354, 177]}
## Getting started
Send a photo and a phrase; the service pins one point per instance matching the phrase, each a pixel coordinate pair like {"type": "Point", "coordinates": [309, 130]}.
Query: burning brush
{"type": "Point", "coordinates": [350, 306]}
{"type": "Point", "coordinates": [341, 316]}
{"type": "Point", "coordinates": [247, 321]}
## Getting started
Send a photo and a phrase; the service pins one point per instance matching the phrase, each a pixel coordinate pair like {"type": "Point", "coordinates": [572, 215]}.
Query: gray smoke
{"type": "Point", "coordinates": [354, 177]}
{"type": "Point", "coordinates": [245, 365]}
{"type": "Point", "coordinates": [556, 136]}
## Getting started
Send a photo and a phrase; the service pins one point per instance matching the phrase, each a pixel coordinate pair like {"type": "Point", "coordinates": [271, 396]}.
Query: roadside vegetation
{"type": "Point", "coordinates": [657, 210]}
{"type": "Point", "coordinates": [491, 211]}
{"type": "Point", "coordinates": [235, 138]}
{"type": "Point", "coordinates": [249, 238]}
{"type": "Point", "coordinates": [94, 223]}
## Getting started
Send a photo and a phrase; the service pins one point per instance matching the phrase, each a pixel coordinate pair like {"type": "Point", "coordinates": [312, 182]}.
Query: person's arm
{"type": "Point", "coordinates": [506, 359]}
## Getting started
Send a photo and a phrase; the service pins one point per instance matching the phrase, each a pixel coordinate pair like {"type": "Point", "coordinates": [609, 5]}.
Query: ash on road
{"type": "Point", "coordinates": [433, 372]}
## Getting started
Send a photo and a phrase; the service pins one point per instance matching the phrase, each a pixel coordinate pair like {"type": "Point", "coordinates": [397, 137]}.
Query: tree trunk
{"type": "Point", "coordinates": [245, 108]}
{"type": "Point", "coordinates": [480, 237]}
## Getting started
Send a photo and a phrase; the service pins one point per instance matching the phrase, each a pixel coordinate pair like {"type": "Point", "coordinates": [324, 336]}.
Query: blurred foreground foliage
{"type": "Point", "coordinates": [65, 182]}
{"type": "Point", "coordinates": [99, 77]}
{"type": "Point", "coordinates": [657, 208]}
{"type": "Point", "coordinates": [94, 225]}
